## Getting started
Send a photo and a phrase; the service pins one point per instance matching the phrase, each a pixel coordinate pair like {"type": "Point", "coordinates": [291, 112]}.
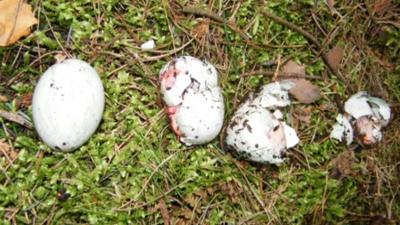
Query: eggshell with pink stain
{"type": "Point", "coordinates": [194, 101]}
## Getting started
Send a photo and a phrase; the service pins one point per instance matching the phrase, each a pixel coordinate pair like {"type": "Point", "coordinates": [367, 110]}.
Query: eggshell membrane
{"type": "Point", "coordinates": [68, 104]}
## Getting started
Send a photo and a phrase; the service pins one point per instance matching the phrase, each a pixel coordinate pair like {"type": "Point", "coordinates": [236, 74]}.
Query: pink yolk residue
{"type": "Point", "coordinates": [171, 111]}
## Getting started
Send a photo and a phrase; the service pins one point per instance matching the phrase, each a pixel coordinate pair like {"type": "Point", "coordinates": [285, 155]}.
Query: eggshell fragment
{"type": "Point", "coordinates": [364, 119]}
{"type": "Point", "coordinates": [342, 130]}
{"type": "Point", "coordinates": [194, 100]}
{"type": "Point", "coordinates": [257, 131]}
{"type": "Point", "coordinates": [148, 45]}
{"type": "Point", "coordinates": [68, 104]}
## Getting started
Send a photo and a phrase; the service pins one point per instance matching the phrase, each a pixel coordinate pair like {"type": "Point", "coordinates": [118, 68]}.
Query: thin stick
{"type": "Point", "coordinates": [281, 75]}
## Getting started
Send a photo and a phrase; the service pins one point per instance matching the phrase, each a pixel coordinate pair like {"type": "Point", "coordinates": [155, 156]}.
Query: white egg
{"type": "Point", "coordinates": [257, 132]}
{"type": "Point", "coordinates": [193, 98]}
{"type": "Point", "coordinates": [68, 104]}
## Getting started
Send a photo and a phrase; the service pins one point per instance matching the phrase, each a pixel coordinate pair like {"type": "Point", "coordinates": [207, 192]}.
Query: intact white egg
{"type": "Point", "coordinates": [68, 104]}
{"type": "Point", "coordinates": [257, 131]}
{"type": "Point", "coordinates": [193, 98]}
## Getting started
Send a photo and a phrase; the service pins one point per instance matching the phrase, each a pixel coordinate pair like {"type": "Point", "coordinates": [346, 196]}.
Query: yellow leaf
{"type": "Point", "coordinates": [16, 18]}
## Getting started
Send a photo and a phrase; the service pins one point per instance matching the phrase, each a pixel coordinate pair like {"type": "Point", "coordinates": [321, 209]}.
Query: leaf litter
{"type": "Point", "coordinates": [16, 18]}
{"type": "Point", "coordinates": [304, 91]}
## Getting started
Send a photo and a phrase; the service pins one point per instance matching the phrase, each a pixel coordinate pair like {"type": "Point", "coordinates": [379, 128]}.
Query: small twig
{"type": "Point", "coordinates": [14, 117]}
{"type": "Point", "coordinates": [276, 73]}
{"type": "Point", "coordinates": [202, 12]}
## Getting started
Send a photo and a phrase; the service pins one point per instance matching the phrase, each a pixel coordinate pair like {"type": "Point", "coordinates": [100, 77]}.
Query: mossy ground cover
{"type": "Point", "coordinates": [134, 171]}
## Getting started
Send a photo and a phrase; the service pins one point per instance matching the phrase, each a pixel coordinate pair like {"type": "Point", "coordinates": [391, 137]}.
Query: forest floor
{"type": "Point", "coordinates": [133, 170]}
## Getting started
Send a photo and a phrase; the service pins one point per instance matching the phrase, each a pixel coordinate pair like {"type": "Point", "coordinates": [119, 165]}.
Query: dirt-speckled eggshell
{"type": "Point", "coordinates": [257, 130]}
{"type": "Point", "coordinates": [248, 135]}
{"type": "Point", "coordinates": [68, 104]}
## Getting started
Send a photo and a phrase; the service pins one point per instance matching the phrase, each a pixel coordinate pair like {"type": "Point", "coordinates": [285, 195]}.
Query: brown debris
{"type": "Point", "coordinates": [7, 151]}
{"type": "Point", "coordinates": [201, 29]}
{"type": "Point", "coordinates": [303, 114]}
{"type": "Point", "coordinates": [24, 101]}
{"type": "Point", "coordinates": [342, 164]}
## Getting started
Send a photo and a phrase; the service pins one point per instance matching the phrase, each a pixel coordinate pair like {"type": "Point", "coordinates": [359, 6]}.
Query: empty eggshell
{"type": "Point", "coordinates": [364, 119]}
{"type": "Point", "coordinates": [342, 130]}
{"type": "Point", "coordinates": [193, 98]}
{"type": "Point", "coordinates": [257, 132]}
{"type": "Point", "coordinates": [68, 104]}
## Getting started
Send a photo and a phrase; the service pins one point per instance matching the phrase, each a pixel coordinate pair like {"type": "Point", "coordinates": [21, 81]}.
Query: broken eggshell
{"type": "Point", "coordinates": [257, 132]}
{"type": "Point", "coordinates": [365, 117]}
{"type": "Point", "coordinates": [68, 104]}
{"type": "Point", "coordinates": [342, 129]}
{"type": "Point", "coordinates": [194, 100]}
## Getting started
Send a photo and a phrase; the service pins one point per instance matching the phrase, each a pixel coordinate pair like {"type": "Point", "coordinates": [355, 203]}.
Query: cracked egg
{"type": "Point", "coordinates": [257, 131]}
{"type": "Point", "coordinates": [193, 98]}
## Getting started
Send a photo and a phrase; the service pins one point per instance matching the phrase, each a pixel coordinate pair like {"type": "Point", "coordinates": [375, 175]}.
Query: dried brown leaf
{"type": "Point", "coordinates": [7, 151]}
{"type": "Point", "coordinates": [335, 56]}
{"type": "Point", "coordinates": [305, 91]}
{"type": "Point", "coordinates": [16, 18]}
{"type": "Point", "coordinates": [291, 67]}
